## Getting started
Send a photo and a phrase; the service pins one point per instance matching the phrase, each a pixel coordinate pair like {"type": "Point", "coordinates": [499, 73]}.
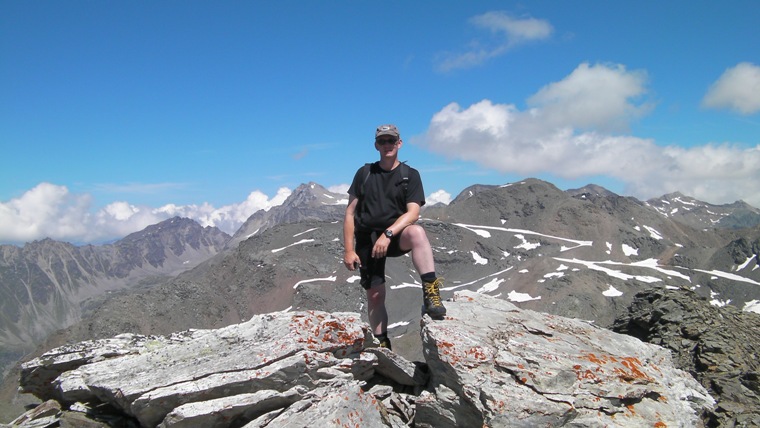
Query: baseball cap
{"type": "Point", "coordinates": [387, 130]}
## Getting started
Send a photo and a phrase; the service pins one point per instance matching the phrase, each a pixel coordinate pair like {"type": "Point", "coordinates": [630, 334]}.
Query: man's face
{"type": "Point", "coordinates": [387, 145]}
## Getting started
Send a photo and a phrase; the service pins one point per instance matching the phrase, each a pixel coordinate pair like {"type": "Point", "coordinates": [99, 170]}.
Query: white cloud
{"type": "Point", "coordinates": [738, 89]}
{"type": "Point", "coordinates": [115, 220]}
{"type": "Point", "coordinates": [441, 196]}
{"type": "Point", "coordinates": [45, 210]}
{"type": "Point", "coordinates": [52, 211]}
{"type": "Point", "coordinates": [229, 217]}
{"type": "Point", "coordinates": [597, 96]}
{"type": "Point", "coordinates": [121, 210]}
{"type": "Point", "coordinates": [510, 32]}
{"type": "Point", "coordinates": [339, 188]}
{"type": "Point", "coordinates": [550, 139]}
{"type": "Point", "coordinates": [516, 30]}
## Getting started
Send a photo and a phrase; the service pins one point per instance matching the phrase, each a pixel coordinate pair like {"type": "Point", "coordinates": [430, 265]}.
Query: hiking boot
{"type": "Point", "coordinates": [385, 343]}
{"type": "Point", "coordinates": [431, 297]}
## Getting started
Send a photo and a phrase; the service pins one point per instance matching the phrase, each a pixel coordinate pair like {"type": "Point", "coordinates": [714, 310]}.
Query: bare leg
{"type": "Point", "coordinates": [414, 238]}
{"type": "Point", "coordinates": [378, 316]}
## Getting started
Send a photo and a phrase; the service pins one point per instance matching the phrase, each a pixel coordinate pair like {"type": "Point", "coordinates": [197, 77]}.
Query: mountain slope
{"type": "Point", "coordinates": [43, 283]}
{"type": "Point", "coordinates": [582, 255]}
{"type": "Point", "coordinates": [528, 242]}
{"type": "Point", "coordinates": [308, 202]}
{"type": "Point", "coordinates": [698, 214]}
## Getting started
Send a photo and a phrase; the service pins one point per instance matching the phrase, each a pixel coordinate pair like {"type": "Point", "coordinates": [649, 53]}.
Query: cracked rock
{"type": "Point", "coordinates": [487, 363]}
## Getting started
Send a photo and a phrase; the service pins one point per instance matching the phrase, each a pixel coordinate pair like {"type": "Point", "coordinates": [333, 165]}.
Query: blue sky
{"type": "Point", "coordinates": [115, 115]}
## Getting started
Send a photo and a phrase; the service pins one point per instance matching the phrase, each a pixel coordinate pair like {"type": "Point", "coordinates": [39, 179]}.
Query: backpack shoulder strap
{"type": "Point", "coordinates": [404, 177]}
{"type": "Point", "coordinates": [366, 170]}
{"type": "Point", "coordinates": [404, 170]}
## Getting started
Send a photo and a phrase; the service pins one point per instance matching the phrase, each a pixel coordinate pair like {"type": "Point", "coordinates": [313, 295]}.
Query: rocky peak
{"type": "Point", "coordinates": [172, 226]}
{"type": "Point", "coordinates": [718, 346]}
{"type": "Point", "coordinates": [699, 214]}
{"type": "Point", "coordinates": [313, 195]}
{"type": "Point", "coordinates": [172, 237]}
{"type": "Point", "coordinates": [590, 191]}
{"type": "Point", "coordinates": [471, 191]}
{"type": "Point", "coordinates": [487, 364]}
{"type": "Point", "coordinates": [308, 202]}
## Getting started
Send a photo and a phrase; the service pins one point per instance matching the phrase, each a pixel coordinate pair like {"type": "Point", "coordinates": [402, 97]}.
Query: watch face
{"type": "Point", "coordinates": [389, 233]}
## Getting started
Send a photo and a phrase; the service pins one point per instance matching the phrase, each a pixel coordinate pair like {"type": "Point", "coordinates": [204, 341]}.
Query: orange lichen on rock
{"type": "Point", "coordinates": [628, 369]}
{"type": "Point", "coordinates": [594, 359]}
{"type": "Point", "coordinates": [634, 372]}
{"type": "Point", "coordinates": [587, 375]}
{"type": "Point", "coordinates": [478, 353]}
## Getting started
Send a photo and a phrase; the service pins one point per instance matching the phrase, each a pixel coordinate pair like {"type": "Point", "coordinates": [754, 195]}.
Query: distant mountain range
{"type": "Point", "coordinates": [698, 214]}
{"type": "Point", "coordinates": [47, 285]}
{"type": "Point", "coordinates": [581, 253]}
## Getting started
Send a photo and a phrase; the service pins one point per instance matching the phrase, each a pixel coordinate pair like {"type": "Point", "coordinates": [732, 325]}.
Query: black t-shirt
{"type": "Point", "coordinates": [383, 200]}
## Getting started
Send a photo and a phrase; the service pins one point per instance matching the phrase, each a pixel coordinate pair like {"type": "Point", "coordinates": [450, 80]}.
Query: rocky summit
{"type": "Point", "coordinates": [581, 254]}
{"type": "Point", "coordinates": [488, 363]}
{"type": "Point", "coordinates": [718, 346]}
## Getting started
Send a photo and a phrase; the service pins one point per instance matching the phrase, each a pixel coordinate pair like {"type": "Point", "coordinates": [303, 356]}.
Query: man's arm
{"type": "Point", "coordinates": [350, 258]}
{"type": "Point", "coordinates": [410, 217]}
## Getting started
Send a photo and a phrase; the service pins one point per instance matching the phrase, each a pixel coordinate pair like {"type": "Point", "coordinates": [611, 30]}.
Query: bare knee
{"type": "Point", "coordinates": [413, 236]}
{"type": "Point", "coordinates": [376, 294]}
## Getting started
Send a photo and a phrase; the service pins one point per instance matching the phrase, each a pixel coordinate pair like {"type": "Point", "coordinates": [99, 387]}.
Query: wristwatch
{"type": "Point", "coordinates": [388, 233]}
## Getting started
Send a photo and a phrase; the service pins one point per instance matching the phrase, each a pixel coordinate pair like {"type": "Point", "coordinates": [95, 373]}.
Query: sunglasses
{"type": "Point", "coordinates": [385, 141]}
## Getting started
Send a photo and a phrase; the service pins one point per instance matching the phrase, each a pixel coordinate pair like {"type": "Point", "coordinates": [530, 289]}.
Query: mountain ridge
{"type": "Point", "coordinates": [44, 282]}
{"type": "Point", "coordinates": [487, 363]}
{"type": "Point", "coordinates": [688, 210]}
{"type": "Point", "coordinates": [309, 201]}
{"type": "Point", "coordinates": [530, 205]}
{"type": "Point", "coordinates": [567, 253]}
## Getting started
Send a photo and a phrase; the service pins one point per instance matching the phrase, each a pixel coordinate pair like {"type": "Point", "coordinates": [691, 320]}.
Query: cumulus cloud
{"type": "Point", "coordinates": [509, 32]}
{"type": "Point", "coordinates": [229, 217]}
{"type": "Point", "coordinates": [738, 89]}
{"type": "Point", "coordinates": [549, 139]}
{"type": "Point", "coordinates": [45, 210]}
{"type": "Point", "coordinates": [441, 196]}
{"type": "Point", "coordinates": [592, 96]}
{"type": "Point", "coordinates": [339, 188]}
{"type": "Point", "coordinates": [52, 211]}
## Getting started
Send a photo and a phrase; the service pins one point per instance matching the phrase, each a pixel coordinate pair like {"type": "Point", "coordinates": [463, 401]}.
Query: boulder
{"type": "Point", "coordinates": [488, 363]}
{"type": "Point", "coordinates": [717, 345]}
{"type": "Point", "coordinates": [269, 362]}
{"type": "Point", "coordinates": [492, 364]}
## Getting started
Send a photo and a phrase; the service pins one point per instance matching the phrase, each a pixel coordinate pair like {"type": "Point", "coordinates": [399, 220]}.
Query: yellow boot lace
{"type": "Point", "coordinates": [432, 291]}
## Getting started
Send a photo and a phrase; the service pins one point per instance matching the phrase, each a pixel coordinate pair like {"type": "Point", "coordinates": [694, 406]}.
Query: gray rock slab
{"type": "Point", "coordinates": [488, 363]}
{"type": "Point", "coordinates": [148, 380]}
{"type": "Point", "coordinates": [223, 412]}
{"type": "Point", "coordinates": [502, 366]}
{"type": "Point", "coordinates": [398, 368]}
{"type": "Point", "coordinates": [347, 406]}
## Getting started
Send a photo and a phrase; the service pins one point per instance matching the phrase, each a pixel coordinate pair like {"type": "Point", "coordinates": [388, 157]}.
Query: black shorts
{"type": "Point", "coordinates": [372, 270]}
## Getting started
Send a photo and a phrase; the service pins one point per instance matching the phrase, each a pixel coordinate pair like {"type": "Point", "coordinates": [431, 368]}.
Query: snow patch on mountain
{"type": "Point", "coordinates": [612, 292]}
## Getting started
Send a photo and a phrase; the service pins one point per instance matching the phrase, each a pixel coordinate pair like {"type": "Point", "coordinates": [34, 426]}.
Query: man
{"type": "Point", "coordinates": [383, 206]}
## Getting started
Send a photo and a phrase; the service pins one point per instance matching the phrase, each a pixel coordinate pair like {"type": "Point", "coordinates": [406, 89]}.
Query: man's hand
{"type": "Point", "coordinates": [381, 247]}
{"type": "Point", "coordinates": [351, 260]}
